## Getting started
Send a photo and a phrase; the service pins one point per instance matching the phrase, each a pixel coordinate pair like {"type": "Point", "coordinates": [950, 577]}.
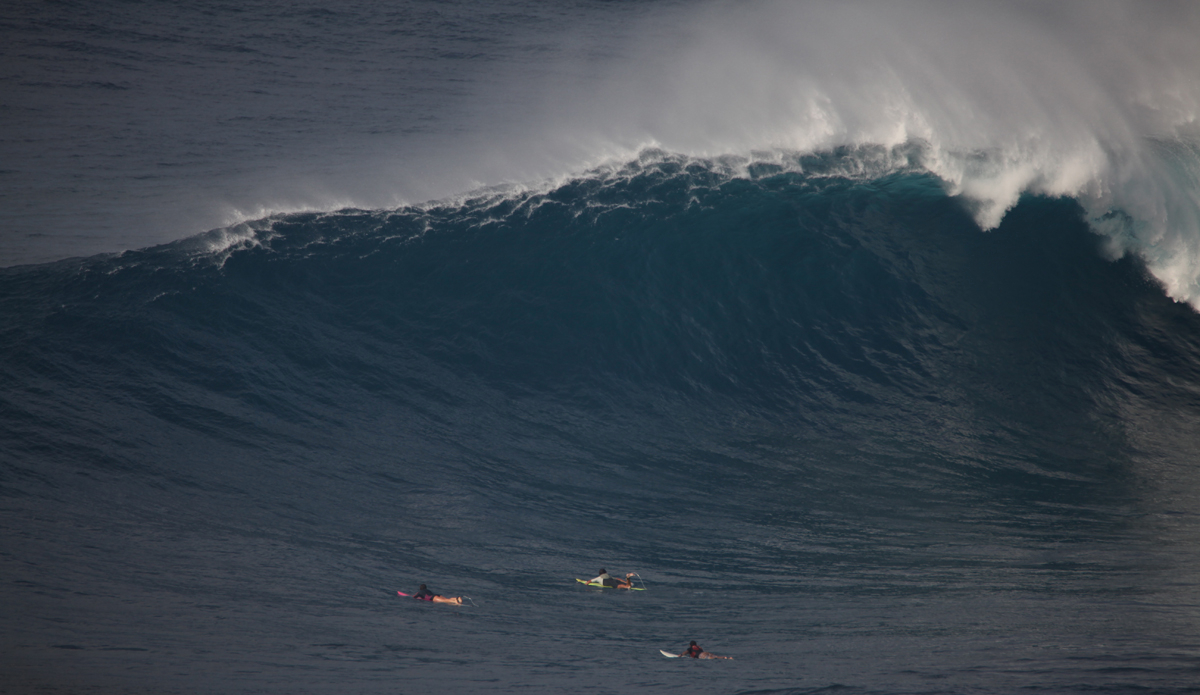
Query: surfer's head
{"type": "Point", "coordinates": [603, 571]}
{"type": "Point", "coordinates": [693, 643]}
{"type": "Point", "coordinates": [422, 587]}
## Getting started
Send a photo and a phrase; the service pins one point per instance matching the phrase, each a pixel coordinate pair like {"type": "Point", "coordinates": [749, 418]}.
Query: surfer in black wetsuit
{"type": "Point", "coordinates": [424, 594]}
{"type": "Point", "coordinates": [697, 652]}
{"type": "Point", "coordinates": [607, 580]}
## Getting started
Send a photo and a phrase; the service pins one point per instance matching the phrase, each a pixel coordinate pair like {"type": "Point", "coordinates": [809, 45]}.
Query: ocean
{"type": "Point", "coordinates": [866, 334]}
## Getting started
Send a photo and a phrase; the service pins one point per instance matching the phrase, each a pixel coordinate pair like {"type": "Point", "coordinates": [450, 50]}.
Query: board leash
{"type": "Point", "coordinates": [643, 581]}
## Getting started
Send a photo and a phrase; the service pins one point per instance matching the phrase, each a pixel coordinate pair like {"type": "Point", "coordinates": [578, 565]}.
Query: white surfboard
{"type": "Point", "coordinates": [668, 654]}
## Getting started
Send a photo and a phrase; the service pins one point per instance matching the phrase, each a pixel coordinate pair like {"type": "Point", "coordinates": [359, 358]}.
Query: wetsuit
{"type": "Point", "coordinates": [424, 595]}
{"type": "Point", "coordinates": [605, 580]}
{"type": "Point", "coordinates": [694, 651]}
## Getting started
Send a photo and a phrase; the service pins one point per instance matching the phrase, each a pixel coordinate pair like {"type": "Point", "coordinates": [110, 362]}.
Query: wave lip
{"type": "Point", "coordinates": [1074, 100]}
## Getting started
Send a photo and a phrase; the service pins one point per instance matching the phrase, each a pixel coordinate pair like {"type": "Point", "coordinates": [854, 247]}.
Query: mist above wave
{"type": "Point", "coordinates": [1095, 100]}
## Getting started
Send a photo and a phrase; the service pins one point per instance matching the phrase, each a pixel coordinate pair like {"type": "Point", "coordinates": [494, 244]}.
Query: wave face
{"type": "Point", "coordinates": [846, 435]}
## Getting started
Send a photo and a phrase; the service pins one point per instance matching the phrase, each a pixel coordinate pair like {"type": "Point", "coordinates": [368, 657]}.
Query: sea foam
{"type": "Point", "coordinates": [1092, 100]}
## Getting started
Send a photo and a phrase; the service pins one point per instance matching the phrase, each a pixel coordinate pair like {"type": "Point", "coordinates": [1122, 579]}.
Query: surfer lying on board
{"type": "Point", "coordinates": [607, 580]}
{"type": "Point", "coordinates": [426, 595]}
{"type": "Point", "coordinates": [697, 652]}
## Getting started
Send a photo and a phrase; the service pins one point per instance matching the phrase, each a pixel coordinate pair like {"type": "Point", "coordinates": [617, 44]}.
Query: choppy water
{"type": "Point", "coordinates": [845, 435]}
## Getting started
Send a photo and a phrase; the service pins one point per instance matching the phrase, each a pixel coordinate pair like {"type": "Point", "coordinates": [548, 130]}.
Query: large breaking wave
{"type": "Point", "coordinates": [841, 295]}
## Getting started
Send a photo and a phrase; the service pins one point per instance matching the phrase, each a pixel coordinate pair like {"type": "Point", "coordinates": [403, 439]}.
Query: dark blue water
{"type": "Point", "coordinates": [844, 436]}
{"type": "Point", "coordinates": [865, 333]}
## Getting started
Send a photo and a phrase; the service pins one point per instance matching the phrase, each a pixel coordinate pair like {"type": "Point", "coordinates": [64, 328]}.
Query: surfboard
{"type": "Point", "coordinates": [601, 586]}
{"type": "Point", "coordinates": [668, 654]}
{"type": "Point", "coordinates": [465, 599]}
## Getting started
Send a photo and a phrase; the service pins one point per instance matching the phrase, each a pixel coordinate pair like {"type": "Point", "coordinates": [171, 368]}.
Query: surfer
{"type": "Point", "coordinates": [424, 594]}
{"type": "Point", "coordinates": [697, 652]}
{"type": "Point", "coordinates": [607, 580]}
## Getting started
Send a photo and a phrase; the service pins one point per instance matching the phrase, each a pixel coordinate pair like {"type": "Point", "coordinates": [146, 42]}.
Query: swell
{"type": "Point", "coordinates": [635, 323]}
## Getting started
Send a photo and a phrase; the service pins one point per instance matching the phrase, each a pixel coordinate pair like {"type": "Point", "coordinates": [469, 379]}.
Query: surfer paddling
{"type": "Point", "coordinates": [697, 652]}
{"type": "Point", "coordinates": [605, 579]}
{"type": "Point", "coordinates": [424, 594]}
